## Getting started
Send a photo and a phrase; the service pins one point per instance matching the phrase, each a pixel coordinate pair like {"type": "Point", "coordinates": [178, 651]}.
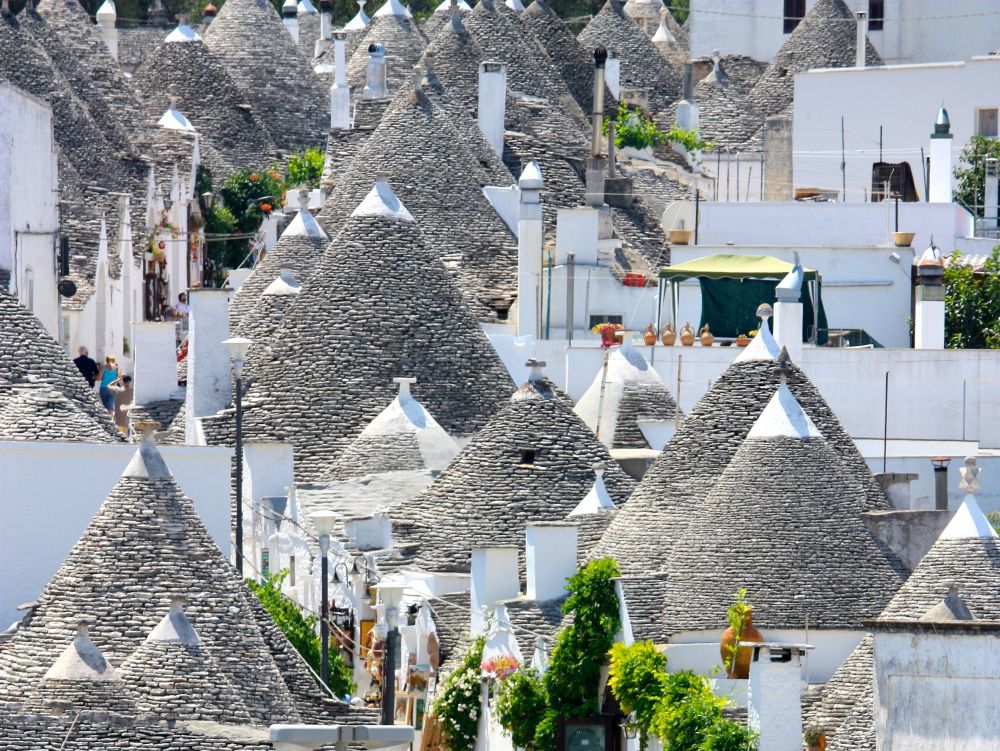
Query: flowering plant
{"type": "Point", "coordinates": [608, 332]}
{"type": "Point", "coordinates": [457, 705]}
{"type": "Point", "coordinates": [499, 666]}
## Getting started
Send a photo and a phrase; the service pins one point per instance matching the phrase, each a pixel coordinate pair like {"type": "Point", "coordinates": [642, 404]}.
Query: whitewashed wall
{"type": "Point", "coordinates": [51, 490]}
{"type": "Point", "coordinates": [28, 193]}
{"type": "Point", "coordinates": [928, 32]}
{"type": "Point", "coordinates": [903, 100]}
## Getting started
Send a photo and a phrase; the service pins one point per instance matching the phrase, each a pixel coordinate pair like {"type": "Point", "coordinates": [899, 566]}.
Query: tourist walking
{"type": "Point", "coordinates": [123, 398]}
{"type": "Point", "coordinates": [87, 367]}
{"type": "Point", "coordinates": [110, 376]}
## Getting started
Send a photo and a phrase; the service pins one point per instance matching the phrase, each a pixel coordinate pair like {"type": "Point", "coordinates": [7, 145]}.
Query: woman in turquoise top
{"type": "Point", "coordinates": [110, 376]}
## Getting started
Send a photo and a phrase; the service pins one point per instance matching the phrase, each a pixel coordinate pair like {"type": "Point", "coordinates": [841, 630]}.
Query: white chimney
{"type": "Point", "coordinates": [613, 74]}
{"type": "Point", "coordinates": [325, 27]}
{"type": "Point", "coordinates": [155, 351]}
{"type": "Point", "coordinates": [529, 251]}
{"type": "Point", "coordinates": [495, 577]}
{"type": "Point", "coordinates": [209, 379]}
{"type": "Point", "coordinates": [859, 61]}
{"type": "Point", "coordinates": [340, 92]}
{"type": "Point", "coordinates": [290, 17]}
{"type": "Point", "coordinates": [788, 311]}
{"type": "Point", "coordinates": [267, 469]}
{"type": "Point", "coordinates": [375, 81]}
{"type": "Point", "coordinates": [688, 116]}
{"type": "Point", "coordinates": [940, 177]}
{"type": "Point", "coordinates": [594, 195]}
{"type": "Point", "coordinates": [778, 158]}
{"type": "Point", "coordinates": [550, 558]}
{"type": "Point", "coordinates": [107, 17]}
{"type": "Point", "coordinates": [493, 102]}
{"type": "Point", "coordinates": [928, 313]}
{"type": "Point", "coordinates": [774, 707]}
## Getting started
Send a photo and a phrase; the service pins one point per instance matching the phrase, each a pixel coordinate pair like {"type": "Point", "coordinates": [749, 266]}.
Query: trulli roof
{"type": "Point", "coordinates": [38, 412]}
{"type": "Point", "coordinates": [404, 43]}
{"type": "Point", "coordinates": [784, 520]}
{"type": "Point", "coordinates": [825, 38]}
{"type": "Point", "coordinates": [657, 513]}
{"type": "Point", "coordinates": [253, 45]}
{"type": "Point", "coordinates": [574, 63]}
{"type": "Point", "coordinates": [851, 683]}
{"type": "Point", "coordinates": [379, 303]}
{"type": "Point", "coordinates": [488, 494]}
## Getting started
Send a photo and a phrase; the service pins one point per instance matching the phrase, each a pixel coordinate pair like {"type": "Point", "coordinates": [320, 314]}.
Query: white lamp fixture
{"type": "Point", "coordinates": [238, 347]}
{"type": "Point", "coordinates": [324, 522]}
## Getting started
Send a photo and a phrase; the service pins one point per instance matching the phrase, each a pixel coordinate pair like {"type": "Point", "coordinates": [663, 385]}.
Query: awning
{"type": "Point", "coordinates": [731, 266]}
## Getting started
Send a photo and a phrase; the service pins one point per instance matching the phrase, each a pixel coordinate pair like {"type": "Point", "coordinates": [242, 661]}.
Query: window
{"type": "Point", "coordinates": [527, 457]}
{"type": "Point", "coordinates": [596, 319]}
{"type": "Point", "coordinates": [986, 122]}
{"type": "Point", "coordinates": [794, 11]}
{"type": "Point", "coordinates": [876, 15]}
{"type": "Point", "coordinates": [291, 571]}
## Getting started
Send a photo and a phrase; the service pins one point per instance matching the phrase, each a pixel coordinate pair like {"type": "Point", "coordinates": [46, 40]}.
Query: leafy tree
{"type": "Point", "coordinates": [300, 629]}
{"type": "Point", "coordinates": [972, 304]}
{"type": "Point", "coordinates": [251, 194]}
{"type": "Point", "coordinates": [305, 169]}
{"type": "Point", "coordinates": [971, 171]}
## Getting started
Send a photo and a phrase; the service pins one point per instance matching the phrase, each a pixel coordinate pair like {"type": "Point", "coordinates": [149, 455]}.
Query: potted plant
{"type": "Point", "coordinates": [687, 335]}
{"type": "Point", "coordinates": [742, 340]}
{"type": "Point", "coordinates": [649, 336]}
{"type": "Point", "coordinates": [668, 336]}
{"type": "Point", "coordinates": [735, 656]}
{"type": "Point", "coordinates": [707, 338]}
{"type": "Point", "coordinates": [815, 738]}
{"type": "Point", "coordinates": [610, 333]}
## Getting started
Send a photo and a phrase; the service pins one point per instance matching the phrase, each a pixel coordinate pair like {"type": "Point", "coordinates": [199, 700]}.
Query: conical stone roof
{"type": "Point", "coordinates": [250, 40]}
{"type": "Point", "coordinates": [379, 303]}
{"type": "Point", "coordinates": [724, 116]}
{"type": "Point", "coordinates": [28, 353]}
{"type": "Point", "coordinates": [298, 250]}
{"type": "Point", "coordinates": [632, 390]}
{"type": "Point", "coordinates": [825, 38]}
{"type": "Point", "coordinates": [533, 461]}
{"type": "Point", "coordinates": [851, 683]}
{"type": "Point", "coordinates": [403, 437]}
{"type": "Point", "coordinates": [437, 20]}
{"type": "Point", "coordinates": [574, 63]}
{"type": "Point", "coordinates": [38, 412]}
{"type": "Point", "coordinates": [224, 121]}
{"type": "Point", "coordinates": [673, 488]}
{"type": "Point", "coordinates": [967, 554]}
{"type": "Point", "coordinates": [785, 521]}
{"type": "Point", "coordinates": [145, 544]}
{"type": "Point", "coordinates": [172, 676]}
{"type": "Point", "coordinates": [642, 65]}
{"type": "Point", "coordinates": [456, 220]}
{"type": "Point", "coordinates": [264, 319]}
{"type": "Point", "coordinates": [81, 679]}
{"type": "Point", "coordinates": [403, 42]}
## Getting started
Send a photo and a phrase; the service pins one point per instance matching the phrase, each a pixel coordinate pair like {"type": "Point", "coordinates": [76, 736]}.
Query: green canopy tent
{"type": "Point", "coordinates": [732, 286]}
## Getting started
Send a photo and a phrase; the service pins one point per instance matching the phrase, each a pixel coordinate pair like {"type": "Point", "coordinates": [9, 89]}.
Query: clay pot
{"type": "Point", "coordinates": [687, 335]}
{"type": "Point", "coordinates": [903, 239]}
{"type": "Point", "coordinates": [742, 340]}
{"type": "Point", "coordinates": [707, 338]}
{"type": "Point", "coordinates": [649, 336]}
{"type": "Point", "coordinates": [680, 236]}
{"type": "Point", "coordinates": [669, 336]}
{"type": "Point", "coordinates": [751, 635]}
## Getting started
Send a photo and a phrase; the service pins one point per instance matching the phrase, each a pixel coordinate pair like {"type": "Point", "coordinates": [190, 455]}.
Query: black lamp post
{"type": "Point", "coordinates": [238, 347]}
{"type": "Point", "coordinates": [324, 521]}
{"type": "Point", "coordinates": [390, 595]}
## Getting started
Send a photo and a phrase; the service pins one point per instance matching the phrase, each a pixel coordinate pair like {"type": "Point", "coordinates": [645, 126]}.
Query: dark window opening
{"type": "Point", "coordinates": [528, 456]}
{"type": "Point", "coordinates": [876, 15]}
{"type": "Point", "coordinates": [795, 10]}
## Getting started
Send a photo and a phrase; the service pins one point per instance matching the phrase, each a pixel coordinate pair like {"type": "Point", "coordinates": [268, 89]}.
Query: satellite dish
{"type": "Point", "coordinates": [67, 288]}
{"type": "Point", "coordinates": [678, 215]}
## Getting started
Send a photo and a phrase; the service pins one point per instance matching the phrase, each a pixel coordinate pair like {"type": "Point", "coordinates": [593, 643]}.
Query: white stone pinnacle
{"type": "Point", "coordinates": [968, 522]}
{"type": "Point", "coordinates": [783, 417]}
{"type": "Point", "coordinates": [381, 201]}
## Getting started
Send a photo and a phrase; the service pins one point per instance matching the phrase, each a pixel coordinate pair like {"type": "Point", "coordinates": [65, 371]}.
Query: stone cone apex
{"type": "Point", "coordinates": [783, 417]}
{"type": "Point", "coordinates": [360, 19]}
{"type": "Point", "coordinates": [183, 33]}
{"type": "Point", "coordinates": [598, 499]}
{"type": "Point", "coordinates": [285, 284]}
{"type": "Point", "coordinates": [951, 608]}
{"type": "Point", "coordinates": [532, 462]}
{"type": "Point", "coordinates": [404, 436]}
{"type": "Point", "coordinates": [173, 677]}
{"type": "Point", "coordinates": [966, 552]}
{"type": "Point", "coordinates": [174, 119]}
{"type": "Point", "coordinates": [391, 8]}
{"type": "Point", "coordinates": [304, 224]}
{"type": "Point", "coordinates": [82, 660]}
{"type": "Point", "coordinates": [663, 34]}
{"type": "Point", "coordinates": [763, 346]}
{"type": "Point", "coordinates": [382, 202]}
{"type": "Point", "coordinates": [147, 462]}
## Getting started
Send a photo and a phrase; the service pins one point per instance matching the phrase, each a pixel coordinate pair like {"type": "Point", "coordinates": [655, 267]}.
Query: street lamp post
{"type": "Point", "coordinates": [390, 596]}
{"type": "Point", "coordinates": [238, 347]}
{"type": "Point", "coordinates": [324, 522]}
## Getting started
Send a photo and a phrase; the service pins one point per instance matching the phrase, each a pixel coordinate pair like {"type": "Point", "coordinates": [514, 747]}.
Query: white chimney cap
{"type": "Point", "coordinates": [173, 119]}
{"type": "Point", "coordinates": [783, 418]}
{"type": "Point", "coordinates": [183, 33]}
{"type": "Point", "coordinates": [531, 177]}
{"type": "Point", "coordinates": [306, 8]}
{"type": "Point", "coordinates": [107, 12]}
{"type": "Point", "coordinates": [381, 201]}
{"type": "Point", "coordinates": [390, 8]}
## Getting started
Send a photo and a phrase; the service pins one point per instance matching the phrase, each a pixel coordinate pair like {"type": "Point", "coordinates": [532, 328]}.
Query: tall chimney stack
{"type": "Point", "coordinates": [613, 74]}
{"type": "Point", "coordinates": [550, 558]}
{"type": "Point", "coordinates": [375, 80]}
{"type": "Point", "coordinates": [859, 61]}
{"type": "Point", "coordinates": [940, 173]}
{"type": "Point", "coordinates": [529, 252]}
{"type": "Point", "coordinates": [928, 314]}
{"type": "Point", "coordinates": [107, 17]}
{"type": "Point", "coordinates": [595, 164]}
{"type": "Point", "coordinates": [774, 705]}
{"type": "Point", "coordinates": [778, 158]}
{"type": "Point", "coordinates": [340, 92]}
{"type": "Point", "coordinates": [494, 577]}
{"type": "Point", "coordinates": [325, 28]}
{"type": "Point", "coordinates": [209, 382]}
{"type": "Point", "coordinates": [493, 102]}
{"type": "Point", "coordinates": [290, 17]}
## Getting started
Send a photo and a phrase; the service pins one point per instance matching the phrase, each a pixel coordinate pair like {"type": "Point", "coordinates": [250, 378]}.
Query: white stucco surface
{"type": "Point", "coordinates": [43, 512]}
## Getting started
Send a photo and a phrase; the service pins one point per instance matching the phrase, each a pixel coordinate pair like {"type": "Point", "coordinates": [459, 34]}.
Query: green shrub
{"type": "Point", "coordinates": [305, 169]}
{"type": "Point", "coordinates": [687, 713]}
{"type": "Point", "coordinates": [251, 194]}
{"type": "Point", "coordinates": [521, 704]}
{"type": "Point", "coordinates": [638, 675]}
{"type": "Point", "coordinates": [972, 304]}
{"type": "Point", "coordinates": [634, 128]}
{"type": "Point", "coordinates": [729, 735]}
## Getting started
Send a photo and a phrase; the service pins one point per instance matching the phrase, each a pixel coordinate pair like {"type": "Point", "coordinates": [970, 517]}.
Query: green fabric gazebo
{"type": "Point", "coordinates": [732, 286]}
